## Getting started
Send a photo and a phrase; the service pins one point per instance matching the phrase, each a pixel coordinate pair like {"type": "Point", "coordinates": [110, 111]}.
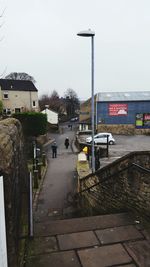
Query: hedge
{"type": "Point", "coordinates": [33, 123]}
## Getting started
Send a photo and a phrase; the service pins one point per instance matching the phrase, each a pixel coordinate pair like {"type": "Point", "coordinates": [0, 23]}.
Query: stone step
{"type": "Point", "coordinates": [105, 240]}
{"type": "Point", "coordinates": [82, 224]}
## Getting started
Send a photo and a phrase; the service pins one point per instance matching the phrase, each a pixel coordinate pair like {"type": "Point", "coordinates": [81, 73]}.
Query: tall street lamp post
{"type": "Point", "coordinates": [91, 34]}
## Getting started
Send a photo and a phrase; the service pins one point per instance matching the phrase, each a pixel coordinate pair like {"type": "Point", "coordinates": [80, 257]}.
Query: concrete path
{"type": "Point", "coordinates": [60, 180]}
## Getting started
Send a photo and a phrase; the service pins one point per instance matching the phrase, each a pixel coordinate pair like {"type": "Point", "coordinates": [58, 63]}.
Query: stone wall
{"type": "Point", "coordinates": [142, 131]}
{"type": "Point", "coordinates": [127, 129]}
{"type": "Point", "coordinates": [13, 167]}
{"type": "Point", "coordinates": [122, 186]}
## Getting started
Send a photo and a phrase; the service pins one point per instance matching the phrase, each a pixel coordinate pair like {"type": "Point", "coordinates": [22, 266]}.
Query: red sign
{"type": "Point", "coordinates": [147, 117]}
{"type": "Point", "coordinates": [118, 109]}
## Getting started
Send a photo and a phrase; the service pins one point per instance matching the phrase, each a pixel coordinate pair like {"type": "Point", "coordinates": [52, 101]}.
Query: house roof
{"type": "Point", "coordinates": [48, 109]}
{"type": "Point", "coordinates": [123, 96]}
{"type": "Point", "coordinates": [17, 85]}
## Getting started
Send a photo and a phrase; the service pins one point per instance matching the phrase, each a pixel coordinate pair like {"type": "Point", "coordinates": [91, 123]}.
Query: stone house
{"type": "Point", "coordinates": [18, 96]}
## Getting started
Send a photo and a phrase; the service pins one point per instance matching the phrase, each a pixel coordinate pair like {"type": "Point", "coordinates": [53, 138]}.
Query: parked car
{"type": "Point", "coordinates": [101, 138]}
{"type": "Point", "coordinates": [74, 119]}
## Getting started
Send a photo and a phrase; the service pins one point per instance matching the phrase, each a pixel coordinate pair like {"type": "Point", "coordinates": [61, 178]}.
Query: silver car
{"type": "Point", "coordinates": [101, 138]}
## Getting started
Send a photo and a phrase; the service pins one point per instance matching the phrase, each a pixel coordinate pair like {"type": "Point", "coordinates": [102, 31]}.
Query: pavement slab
{"type": "Point", "coordinates": [118, 234]}
{"type": "Point", "coordinates": [61, 259]}
{"type": "Point", "coordinates": [146, 234]}
{"type": "Point", "coordinates": [82, 224]}
{"type": "Point", "coordinates": [104, 256]}
{"type": "Point", "coordinates": [127, 265]}
{"type": "Point", "coordinates": [140, 252]}
{"type": "Point", "coordinates": [41, 245]}
{"type": "Point", "coordinates": [77, 240]}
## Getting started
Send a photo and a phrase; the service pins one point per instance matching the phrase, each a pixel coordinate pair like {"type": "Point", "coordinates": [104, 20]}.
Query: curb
{"type": "Point", "coordinates": [36, 194]}
{"type": "Point", "coordinates": [73, 147]}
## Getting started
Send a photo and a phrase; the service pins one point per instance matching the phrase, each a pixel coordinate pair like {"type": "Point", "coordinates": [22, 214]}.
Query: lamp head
{"type": "Point", "coordinates": [87, 33]}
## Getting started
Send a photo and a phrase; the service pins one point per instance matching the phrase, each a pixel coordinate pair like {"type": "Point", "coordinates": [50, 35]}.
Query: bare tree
{"type": "Point", "coordinates": [20, 76]}
{"type": "Point", "coordinates": [43, 101]}
{"type": "Point", "coordinates": [53, 101]}
{"type": "Point", "coordinates": [72, 102]}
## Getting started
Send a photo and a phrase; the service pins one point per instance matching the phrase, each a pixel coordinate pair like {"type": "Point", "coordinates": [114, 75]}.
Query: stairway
{"type": "Point", "coordinates": [98, 241]}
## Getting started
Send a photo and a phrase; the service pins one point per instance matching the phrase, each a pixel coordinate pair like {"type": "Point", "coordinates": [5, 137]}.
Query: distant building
{"type": "Point", "coordinates": [119, 112]}
{"type": "Point", "coordinates": [85, 115]}
{"type": "Point", "coordinates": [18, 96]}
{"type": "Point", "coordinates": [52, 116]}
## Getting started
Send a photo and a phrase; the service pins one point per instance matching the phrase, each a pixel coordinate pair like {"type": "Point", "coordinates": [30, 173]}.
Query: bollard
{"type": "Point", "coordinates": [39, 170]}
{"type": "Point", "coordinates": [44, 159]}
{"type": "Point", "coordinates": [107, 146]}
{"type": "Point", "coordinates": [35, 178]}
{"type": "Point", "coordinates": [30, 207]}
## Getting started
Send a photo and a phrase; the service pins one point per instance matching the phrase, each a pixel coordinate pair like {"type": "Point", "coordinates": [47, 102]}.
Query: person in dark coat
{"type": "Point", "coordinates": [67, 143]}
{"type": "Point", "coordinates": [54, 150]}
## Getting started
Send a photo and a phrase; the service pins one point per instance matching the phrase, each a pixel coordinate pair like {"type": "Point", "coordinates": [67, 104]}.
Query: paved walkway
{"type": "Point", "coordinates": [60, 180]}
{"type": "Point", "coordinates": [99, 241]}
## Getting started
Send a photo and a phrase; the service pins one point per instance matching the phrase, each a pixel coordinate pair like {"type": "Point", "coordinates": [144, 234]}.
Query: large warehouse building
{"type": "Point", "coordinates": [121, 112]}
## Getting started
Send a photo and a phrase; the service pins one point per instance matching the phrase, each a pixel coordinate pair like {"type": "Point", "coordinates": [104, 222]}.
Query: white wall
{"type": "Point", "coordinates": [52, 117]}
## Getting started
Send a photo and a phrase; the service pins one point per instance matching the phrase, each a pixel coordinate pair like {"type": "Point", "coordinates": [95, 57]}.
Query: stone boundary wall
{"type": "Point", "coordinates": [13, 167]}
{"type": "Point", "coordinates": [126, 190]}
{"type": "Point", "coordinates": [127, 129]}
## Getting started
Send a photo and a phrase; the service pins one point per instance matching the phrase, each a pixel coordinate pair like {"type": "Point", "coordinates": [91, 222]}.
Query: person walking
{"type": "Point", "coordinates": [67, 143]}
{"type": "Point", "coordinates": [54, 150]}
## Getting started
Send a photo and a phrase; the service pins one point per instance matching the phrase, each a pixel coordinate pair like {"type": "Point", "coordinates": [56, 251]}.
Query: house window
{"type": "Point", "coordinates": [7, 111]}
{"type": "Point", "coordinates": [33, 104]}
{"type": "Point", "coordinates": [5, 95]}
{"type": "Point", "coordinates": [17, 110]}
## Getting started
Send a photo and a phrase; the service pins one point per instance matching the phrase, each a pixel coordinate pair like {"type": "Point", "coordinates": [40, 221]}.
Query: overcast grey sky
{"type": "Point", "coordinates": [39, 38]}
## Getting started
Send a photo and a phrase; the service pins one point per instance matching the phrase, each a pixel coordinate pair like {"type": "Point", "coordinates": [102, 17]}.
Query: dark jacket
{"type": "Point", "coordinates": [66, 142]}
{"type": "Point", "coordinates": [54, 146]}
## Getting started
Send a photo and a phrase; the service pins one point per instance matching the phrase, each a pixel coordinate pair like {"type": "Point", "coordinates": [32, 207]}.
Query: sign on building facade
{"type": "Point", "coordinates": [142, 120]}
{"type": "Point", "coordinates": [118, 109]}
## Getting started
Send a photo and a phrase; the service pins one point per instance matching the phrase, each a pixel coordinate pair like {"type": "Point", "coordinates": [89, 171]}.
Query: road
{"type": "Point", "coordinates": [60, 180]}
{"type": "Point", "coordinates": [126, 144]}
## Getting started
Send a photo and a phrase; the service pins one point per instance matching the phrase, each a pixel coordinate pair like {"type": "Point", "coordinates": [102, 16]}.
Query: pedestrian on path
{"type": "Point", "coordinates": [67, 143]}
{"type": "Point", "coordinates": [54, 150]}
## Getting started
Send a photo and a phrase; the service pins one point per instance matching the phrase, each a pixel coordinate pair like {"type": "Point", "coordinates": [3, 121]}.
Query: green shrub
{"type": "Point", "coordinates": [33, 123]}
